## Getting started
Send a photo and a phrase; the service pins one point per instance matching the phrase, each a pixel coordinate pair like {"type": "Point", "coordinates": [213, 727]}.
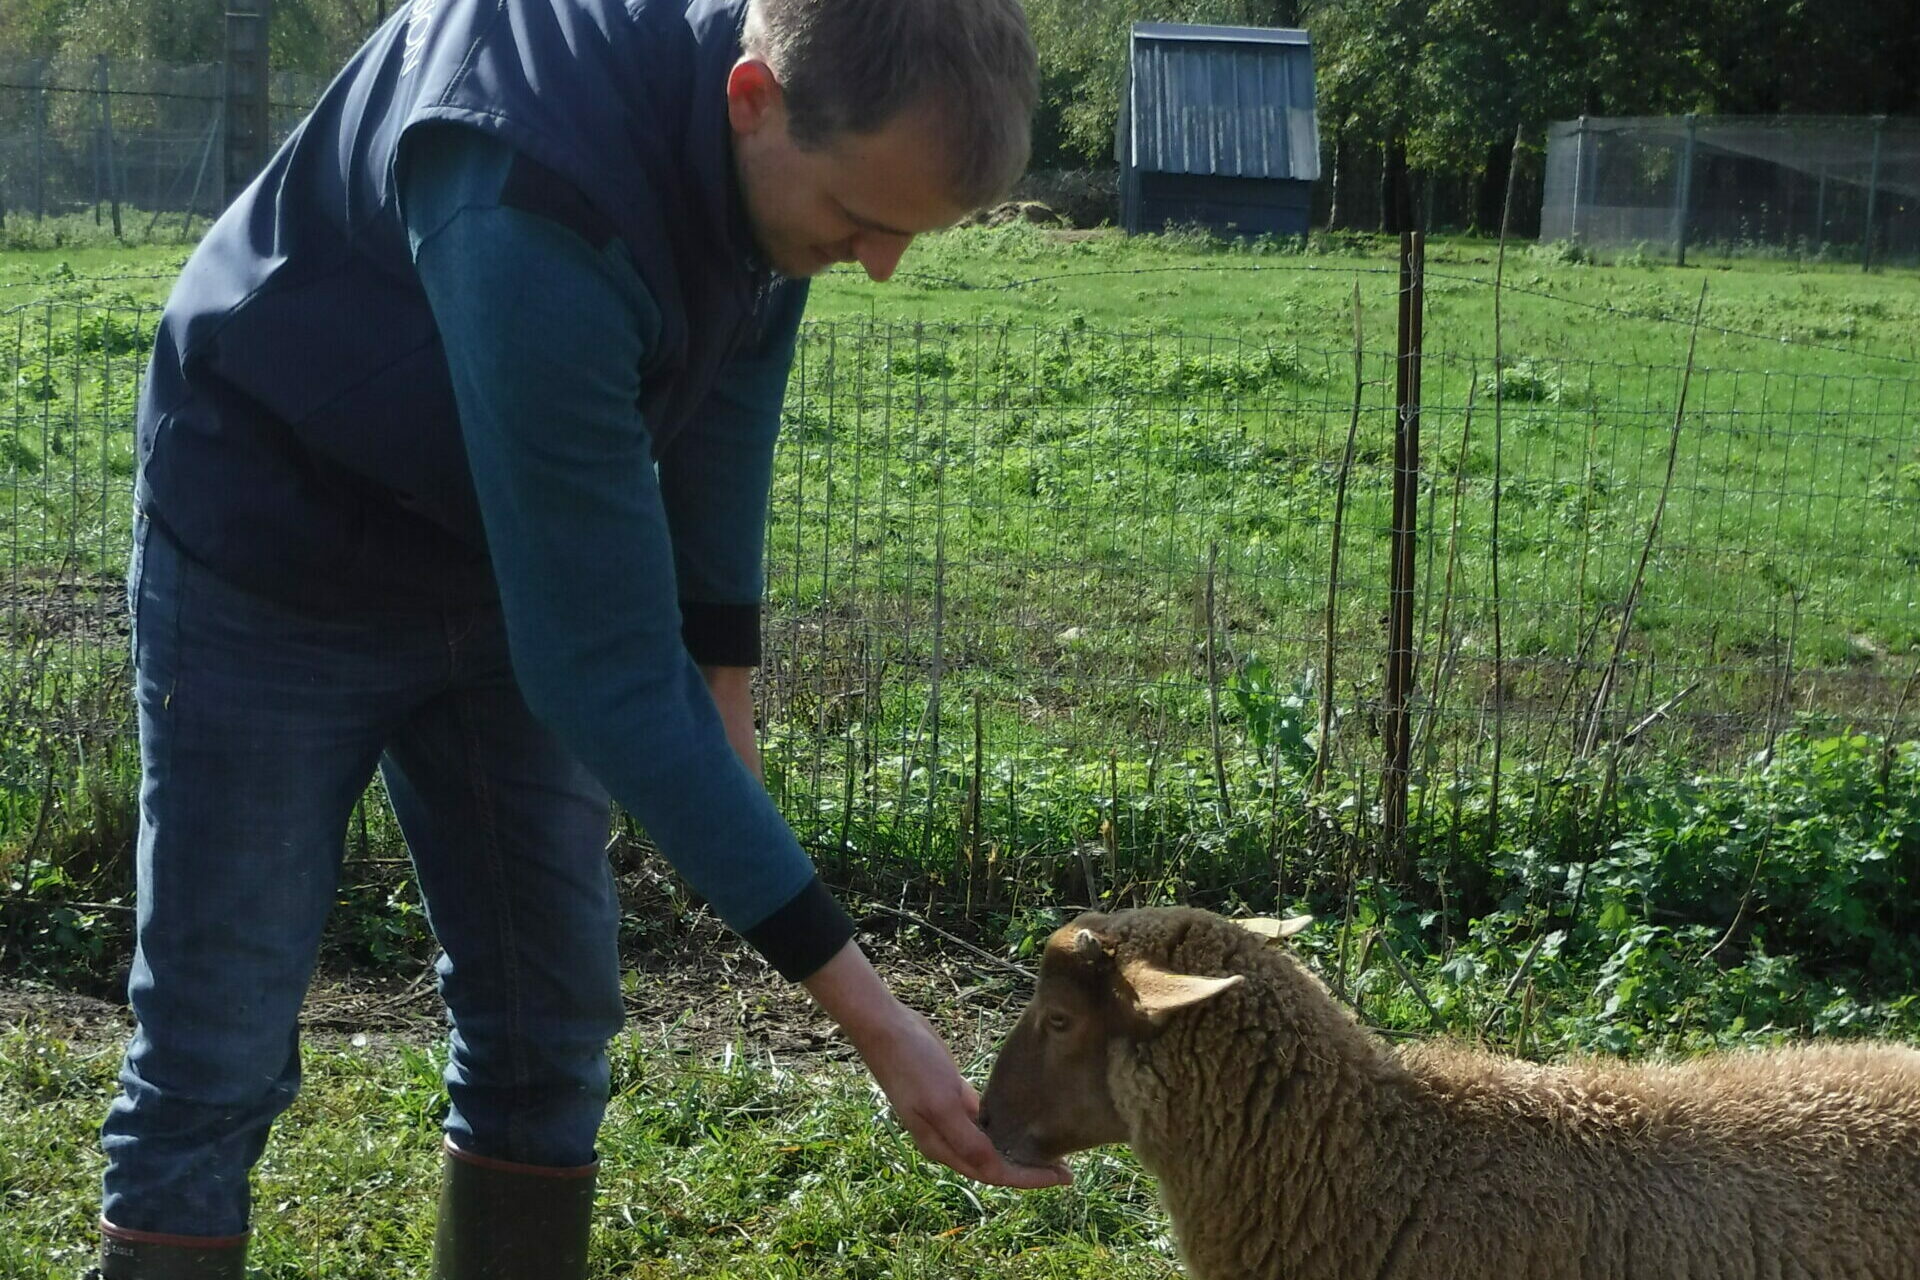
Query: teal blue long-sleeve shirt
{"type": "Point", "coordinates": [608, 567]}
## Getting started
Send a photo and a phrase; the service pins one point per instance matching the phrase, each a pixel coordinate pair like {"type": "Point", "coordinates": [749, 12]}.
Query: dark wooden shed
{"type": "Point", "coordinates": [1217, 127]}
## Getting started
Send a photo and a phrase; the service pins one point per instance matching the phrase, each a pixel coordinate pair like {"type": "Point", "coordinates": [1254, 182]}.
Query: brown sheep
{"type": "Point", "coordinates": [1291, 1142]}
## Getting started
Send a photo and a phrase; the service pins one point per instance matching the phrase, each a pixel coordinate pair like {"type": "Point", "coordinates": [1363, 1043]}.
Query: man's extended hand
{"type": "Point", "coordinates": [917, 1073]}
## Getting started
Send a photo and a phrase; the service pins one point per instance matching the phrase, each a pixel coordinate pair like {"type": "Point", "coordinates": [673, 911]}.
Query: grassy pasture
{"type": "Point", "coordinates": [715, 1167]}
{"type": "Point", "coordinates": [1136, 401]}
{"type": "Point", "coordinates": [1005, 506]}
{"type": "Point", "coordinates": [1053, 523]}
{"type": "Point", "coordinates": [1048, 563]}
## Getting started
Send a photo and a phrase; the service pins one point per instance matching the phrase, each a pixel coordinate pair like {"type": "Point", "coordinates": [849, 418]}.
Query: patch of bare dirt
{"type": "Point", "coordinates": [68, 1014]}
{"type": "Point", "coordinates": [695, 988]}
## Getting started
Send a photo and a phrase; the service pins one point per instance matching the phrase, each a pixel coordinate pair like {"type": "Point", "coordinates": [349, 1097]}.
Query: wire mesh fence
{"type": "Point", "coordinates": [1068, 598]}
{"type": "Point", "coordinates": [112, 136]}
{"type": "Point", "coordinates": [1801, 186]}
{"type": "Point", "coordinates": [1097, 567]}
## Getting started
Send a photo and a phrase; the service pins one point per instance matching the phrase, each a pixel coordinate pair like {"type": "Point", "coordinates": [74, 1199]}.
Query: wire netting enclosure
{"type": "Point", "coordinates": [98, 133]}
{"type": "Point", "coordinates": [1066, 598]}
{"type": "Point", "coordinates": [1844, 187]}
{"type": "Point", "coordinates": [1012, 567]}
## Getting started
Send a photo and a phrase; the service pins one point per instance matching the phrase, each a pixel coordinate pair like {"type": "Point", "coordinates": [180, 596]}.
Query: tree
{"type": "Point", "coordinates": [31, 28]}
{"type": "Point", "coordinates": [314, 36]}
{"type": "Point", "coordinates": [318, 36]}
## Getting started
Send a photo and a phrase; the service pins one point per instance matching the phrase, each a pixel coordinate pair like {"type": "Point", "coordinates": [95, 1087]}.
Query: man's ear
{"type": "Point", "coordinates": [754, 96]}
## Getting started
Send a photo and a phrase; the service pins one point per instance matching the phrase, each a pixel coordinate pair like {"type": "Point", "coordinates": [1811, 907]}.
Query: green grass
{"type": "Point", "coordinates": [1019, 458]}
{"type": "Point", "coordinates": [1192, 284]}
{"type": "Point", "coordinates": [710, 1168]}
{"type": "Point", "coordinates": [90, 273]}
{"type": "Point", "coordinates": [1558, 308]}
{"type": "Point", "coordinates": [1082, 439]}
{"type": "Point", "coordinates": [1003, 480]}
{"type": "Point", "coordinates": [738, 1164]}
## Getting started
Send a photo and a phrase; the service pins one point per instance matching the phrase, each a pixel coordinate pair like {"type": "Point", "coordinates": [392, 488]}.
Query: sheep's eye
{"type": "Point", "coordinates": [1057, 1021]}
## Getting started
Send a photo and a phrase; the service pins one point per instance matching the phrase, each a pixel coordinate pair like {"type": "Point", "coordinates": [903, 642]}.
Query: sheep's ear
{"type": "Point", "coordinates": [1275, 931]}
{"type": "Point", "coordinates": [1157, 993]}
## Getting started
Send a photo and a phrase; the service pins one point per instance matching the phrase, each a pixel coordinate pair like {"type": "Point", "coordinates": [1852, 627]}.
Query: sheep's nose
{"type": "Point", "coordinates": [983, 1119]}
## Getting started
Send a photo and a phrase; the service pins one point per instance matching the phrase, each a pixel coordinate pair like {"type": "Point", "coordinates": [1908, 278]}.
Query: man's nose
{"type": "Point", "coordinates": [878, 253]}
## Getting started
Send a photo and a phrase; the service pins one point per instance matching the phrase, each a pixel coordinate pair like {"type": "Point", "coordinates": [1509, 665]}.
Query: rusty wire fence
{"type": "Point", "coordinates": [1115, 612]}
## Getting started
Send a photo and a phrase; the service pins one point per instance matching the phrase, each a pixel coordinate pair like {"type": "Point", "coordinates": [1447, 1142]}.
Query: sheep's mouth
{"type": "Point", "coordinates": [1024, 1152]}
{"type": "Point", "coordinates": [1055, 1165]}
{"type": "Point", "coordinates": [1028, 1152]}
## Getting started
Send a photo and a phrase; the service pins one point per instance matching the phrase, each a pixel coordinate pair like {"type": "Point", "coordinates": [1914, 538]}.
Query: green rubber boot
{"type": "Point", "coordinates": [505, 1221]}
{"type": "Point", "coordinates": [144, 1255]}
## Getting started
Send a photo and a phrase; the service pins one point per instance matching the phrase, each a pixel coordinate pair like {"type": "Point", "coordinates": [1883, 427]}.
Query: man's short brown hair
{"type": "Point", "coordinates": [852, 66]}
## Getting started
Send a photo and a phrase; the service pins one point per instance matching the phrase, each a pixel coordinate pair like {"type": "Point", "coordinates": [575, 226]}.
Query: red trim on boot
{"type": "Point", "coordinates": [530, 1170]}
{"type": "Point", "coordinates": [131, 1236]}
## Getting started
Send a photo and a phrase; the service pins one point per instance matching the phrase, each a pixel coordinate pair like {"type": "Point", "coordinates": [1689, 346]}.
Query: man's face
{"type": "Point", "coordinates": [861, 198]}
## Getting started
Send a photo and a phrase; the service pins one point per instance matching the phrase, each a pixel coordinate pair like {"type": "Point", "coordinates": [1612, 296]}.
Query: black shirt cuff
{"type": "Point", "coordinates": [803, 935]}
{"type": "Point", "coordinates": [721, 635]}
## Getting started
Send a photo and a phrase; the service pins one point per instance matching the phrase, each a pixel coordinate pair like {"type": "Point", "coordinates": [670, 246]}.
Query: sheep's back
{"type": "Point", "coordinates": [1741, 1164]}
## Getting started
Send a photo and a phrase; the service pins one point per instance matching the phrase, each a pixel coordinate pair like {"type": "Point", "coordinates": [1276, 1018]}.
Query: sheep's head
{"type": "Point", "coordinates": [1049, 1093]}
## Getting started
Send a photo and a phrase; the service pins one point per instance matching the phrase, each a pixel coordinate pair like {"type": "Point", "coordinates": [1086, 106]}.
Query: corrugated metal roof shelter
{"type": "Point", "coordinates": [1217, 127]}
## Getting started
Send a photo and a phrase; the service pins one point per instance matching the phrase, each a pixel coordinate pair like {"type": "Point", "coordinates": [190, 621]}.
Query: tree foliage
{"type": "Point", "coordinates": [1450, 80]}
{"type": "Point", "coordinates": [1439, 85]}
{"type": "Point", "coordinates": [313, 36]}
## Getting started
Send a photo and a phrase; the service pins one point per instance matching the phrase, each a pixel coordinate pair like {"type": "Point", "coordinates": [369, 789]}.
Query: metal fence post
{"type": "Point", "coordinates": [93, 151]}
{"type": "Point", "coordinates": [39, 140]}
{"type": "Point", "coordinates": [1873, 194]}
{"type": "Point", "coordinates": [1579, 179]}
{"type": "Point", "coordinates": [199, 176]}
{"type": "Point", "coordinates": [106, 142]}
{"type": "Point", "coordinates": [1683, 196]}
{"type": "Point", "coordinates": [1398, 735]}
{"type": "Point", "coordinates": [1820, 213]}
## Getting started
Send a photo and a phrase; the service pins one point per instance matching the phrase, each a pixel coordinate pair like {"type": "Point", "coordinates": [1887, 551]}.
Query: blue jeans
{"type": "Point", "coordinates": [260, 726]}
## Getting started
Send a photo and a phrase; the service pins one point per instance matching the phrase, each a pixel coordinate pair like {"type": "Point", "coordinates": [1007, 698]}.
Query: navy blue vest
{"type": "Point", "coordinates": [297, 428]}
